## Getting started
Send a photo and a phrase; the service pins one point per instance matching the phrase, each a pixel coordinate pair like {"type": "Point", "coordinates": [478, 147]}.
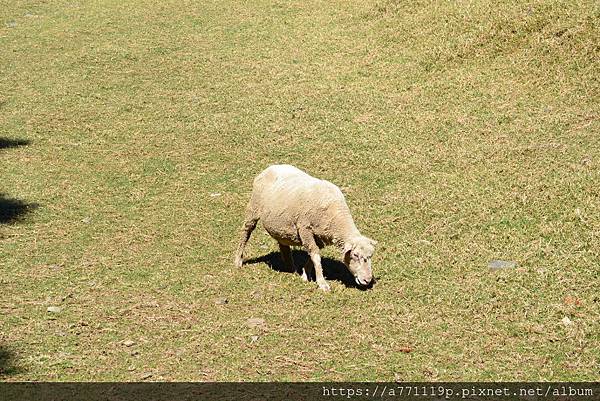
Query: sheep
{"type": "Point", "coordinates": [297, 209]}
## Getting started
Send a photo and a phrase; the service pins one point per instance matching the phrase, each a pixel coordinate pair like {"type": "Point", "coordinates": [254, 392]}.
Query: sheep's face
{"type": "Point", "coordinates": [357, 257]}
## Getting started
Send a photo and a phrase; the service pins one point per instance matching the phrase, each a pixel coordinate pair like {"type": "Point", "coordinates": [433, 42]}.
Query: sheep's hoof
{"type": "Point", "coordinates": [324, 287]}
{"type": "Point", "coordinates": [238, 262]}
{"type": "Point", "coordinates": [304, 277]}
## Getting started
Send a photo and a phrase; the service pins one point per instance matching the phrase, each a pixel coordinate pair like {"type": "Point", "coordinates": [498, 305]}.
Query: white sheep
{"type": "Point", "coordinates": [298, 209]}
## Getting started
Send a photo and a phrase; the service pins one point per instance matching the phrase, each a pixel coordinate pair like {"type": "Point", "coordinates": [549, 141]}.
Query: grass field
{"type": "Point", "coordinates": [460, 132]}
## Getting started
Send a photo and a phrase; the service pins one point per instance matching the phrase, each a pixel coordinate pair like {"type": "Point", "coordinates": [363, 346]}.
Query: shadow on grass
{"type": "Point", "coordinates": [6, 143]}
{"type": "Point", "coordinates": [13, 210]}
{"type": "Point", "coordinates": [332, 269]}
{"type": "Point", "coordinates": [8, 362]}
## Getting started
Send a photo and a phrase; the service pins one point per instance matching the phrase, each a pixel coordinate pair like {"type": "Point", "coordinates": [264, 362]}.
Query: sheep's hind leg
{"type": "Point", "coordinates": [247, 228]}
{"type": "Point", "coordinates": [309, 243]}
{"type": "Point", "coordinates": [286, 255]}
{"type": "Point", "coordinates": [308, 270]}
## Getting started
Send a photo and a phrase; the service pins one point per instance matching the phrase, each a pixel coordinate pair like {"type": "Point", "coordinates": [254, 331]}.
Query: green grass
{"type": "Point", "coordinates": [460, 132]}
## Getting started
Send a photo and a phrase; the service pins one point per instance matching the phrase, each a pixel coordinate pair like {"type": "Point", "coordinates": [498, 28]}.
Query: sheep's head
{"type": "Point", "coordinates": [357, 257]}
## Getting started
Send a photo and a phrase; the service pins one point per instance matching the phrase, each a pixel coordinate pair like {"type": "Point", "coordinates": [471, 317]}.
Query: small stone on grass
{"type": "Point", "coordinates": [255, 322]}
{"type": "Point", "coordinates": [566, 321]}
{"type": "Point", "coordinates": [54, 309]}
{"type": "Point", "coordinates": [502, 264]}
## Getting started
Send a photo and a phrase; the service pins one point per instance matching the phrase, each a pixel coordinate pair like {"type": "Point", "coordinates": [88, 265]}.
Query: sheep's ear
{"type": "Point", "coordinates": [347, 247]}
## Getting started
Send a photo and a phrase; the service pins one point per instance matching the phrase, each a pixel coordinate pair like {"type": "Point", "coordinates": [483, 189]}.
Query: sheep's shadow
{"type": "Point", "coordinates": [6, 143]}
{"type": "Point", "coordinates": [13, 210]}
{"type": "Point", "coordinates": [332, 269]}
{"type": "Point", "coordinates": [8, 365]}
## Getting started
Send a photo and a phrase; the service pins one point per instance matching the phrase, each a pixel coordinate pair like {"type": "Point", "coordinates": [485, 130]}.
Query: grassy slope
{"type": "Point", "coordinates": [460, 131]}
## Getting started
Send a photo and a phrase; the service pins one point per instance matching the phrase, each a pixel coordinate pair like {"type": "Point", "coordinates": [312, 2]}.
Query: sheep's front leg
{"type": "Point", "coordinates": [308, 241]}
